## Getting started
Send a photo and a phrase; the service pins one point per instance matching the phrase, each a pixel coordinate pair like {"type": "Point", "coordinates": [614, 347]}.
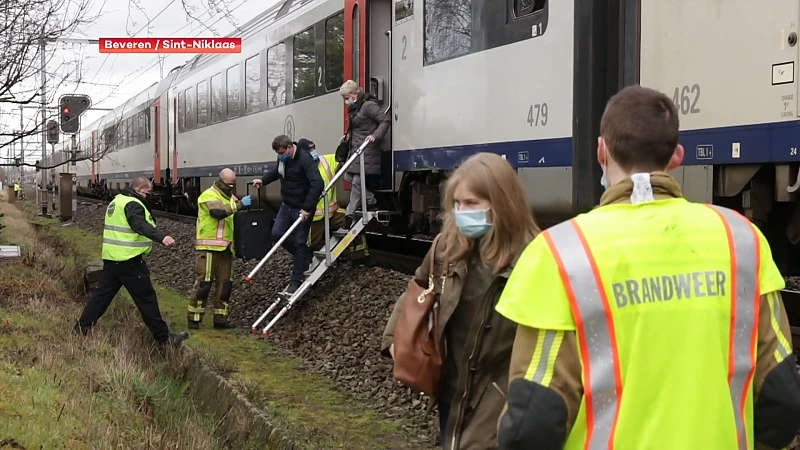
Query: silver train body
{"type": "Point", "coordinates": [466, 76]}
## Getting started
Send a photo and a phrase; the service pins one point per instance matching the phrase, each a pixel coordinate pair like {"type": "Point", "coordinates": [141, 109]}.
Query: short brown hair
{"type": "Point", "coordinates": [640, 127]}
{"type": "Point", "coordinates": [281, 141]}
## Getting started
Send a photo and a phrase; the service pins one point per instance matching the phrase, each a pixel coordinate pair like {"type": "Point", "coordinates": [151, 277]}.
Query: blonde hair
{"type": "Point", "coordinates": [491, 178]}
{"type": "Point", "coordinates": [349, 87]}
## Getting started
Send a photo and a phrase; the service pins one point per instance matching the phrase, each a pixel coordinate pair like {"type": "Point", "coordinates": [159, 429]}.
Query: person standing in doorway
{"type": "Point", "coordinates": [366, 123]}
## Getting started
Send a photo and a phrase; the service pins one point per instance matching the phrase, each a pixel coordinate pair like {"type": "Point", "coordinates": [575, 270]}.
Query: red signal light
{"type": "Point", "coordinates": [66, 110]}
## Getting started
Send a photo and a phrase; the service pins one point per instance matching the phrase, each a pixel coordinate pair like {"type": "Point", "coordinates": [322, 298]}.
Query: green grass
{"type": "Point", "coordinates": [308, 407]}
{"type": "Point", "coordinates": [60, 390]}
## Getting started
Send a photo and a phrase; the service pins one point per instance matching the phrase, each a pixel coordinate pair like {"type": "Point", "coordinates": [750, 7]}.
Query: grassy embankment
{"type": "Point", "coordinates": [59, 390]}
{"type": "Point", "coordinates": [306, 407]}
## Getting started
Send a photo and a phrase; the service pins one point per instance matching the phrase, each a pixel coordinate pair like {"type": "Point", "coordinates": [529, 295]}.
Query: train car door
{"type": "Point", "coordinates": [368, 61]}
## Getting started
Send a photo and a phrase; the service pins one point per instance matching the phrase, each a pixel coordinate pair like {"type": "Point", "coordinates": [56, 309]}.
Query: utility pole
{"type": "Point", "coordinates": [21, 137]}
{"type": "Point", "coordinates": [43, 68]}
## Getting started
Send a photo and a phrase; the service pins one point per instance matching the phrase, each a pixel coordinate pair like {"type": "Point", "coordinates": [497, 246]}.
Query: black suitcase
{"type": "Point", "coordinates": [251, 230]}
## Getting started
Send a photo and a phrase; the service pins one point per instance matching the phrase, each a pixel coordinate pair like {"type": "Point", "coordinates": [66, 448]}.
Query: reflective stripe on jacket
{"type": "Point", "coordinates": [213, 234]}
{"type": "Point", "coordinates": [120, 242]}
{"type": "Point", "coordinates": [326, 163]}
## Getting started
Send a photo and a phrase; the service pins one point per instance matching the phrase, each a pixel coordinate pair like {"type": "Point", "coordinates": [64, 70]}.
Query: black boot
{"type": "Point", "coordinates": [293, 287]}
{"type": "Point", "coordinates": [175, 340]}
{"type": "Point", "coordinates": [347, 223]}
{"type": "Point", "coordinates": [223, 324]}
{"type": "Point", "coordinates": [194, 325]}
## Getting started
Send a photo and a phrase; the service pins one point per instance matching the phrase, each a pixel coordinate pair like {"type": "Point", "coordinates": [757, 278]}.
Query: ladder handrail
{"type": "Point", "coordinates": [358, 154]}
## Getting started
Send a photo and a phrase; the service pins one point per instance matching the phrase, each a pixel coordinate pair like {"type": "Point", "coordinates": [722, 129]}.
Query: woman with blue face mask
{"type": "Point", "coordinates": [487, 225]}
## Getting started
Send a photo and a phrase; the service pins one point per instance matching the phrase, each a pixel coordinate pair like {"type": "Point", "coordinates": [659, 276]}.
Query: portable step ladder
{"type": "Point", "coordinates": [325, 258]}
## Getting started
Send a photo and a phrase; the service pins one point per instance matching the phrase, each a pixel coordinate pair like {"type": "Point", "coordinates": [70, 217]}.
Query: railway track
{"type": "Point", "coordinates": [393, 252]}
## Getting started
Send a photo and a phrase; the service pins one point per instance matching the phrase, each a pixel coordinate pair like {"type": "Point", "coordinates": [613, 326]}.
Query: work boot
{"type": "Point", "coordinates": [347, 224]}
{"type": "Point", "coordinates": [194, 325]}
{"type": "Point", "coordinates": [223, 324]}
{"type": "Point", "coordinates": [293, 287]}
{"type": "Point", "coordinates": [175, 340]}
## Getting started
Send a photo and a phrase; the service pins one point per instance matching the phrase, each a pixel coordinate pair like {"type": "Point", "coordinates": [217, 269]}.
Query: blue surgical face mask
{"type": "Point", "coordinates": [284, 157]}
{"type": "Point", "coordinates": [314, 155]}
{"type": "Point", "coordinates": [603, 180]}
{"type": "Point", "coordinates": [473, 223]}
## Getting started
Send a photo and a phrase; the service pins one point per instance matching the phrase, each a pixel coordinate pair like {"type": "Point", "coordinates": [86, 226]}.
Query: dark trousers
{"type": "Point", "coordinates": [135, 276]}
{"type": "Point", "coordinates": [297, 244]}
{"type": "Point", "coordinates": [444, 414]}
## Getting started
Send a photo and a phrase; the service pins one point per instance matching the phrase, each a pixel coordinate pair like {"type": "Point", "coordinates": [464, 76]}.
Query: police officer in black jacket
{"type": "Point", "coordinates": [130, 272]}
{"type": "Point", "coordinates": [301, 188]}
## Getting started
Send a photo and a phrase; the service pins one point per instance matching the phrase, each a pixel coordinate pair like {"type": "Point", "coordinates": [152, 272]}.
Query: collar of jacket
{"type": "Point", "coordinates": [131, 193]}
{"type": "Point", "coordinates": [223, 189]}
{"type": "Point", "coordinates": [460, 267]}
{"type": "Point", "coordinates": [664, 187]}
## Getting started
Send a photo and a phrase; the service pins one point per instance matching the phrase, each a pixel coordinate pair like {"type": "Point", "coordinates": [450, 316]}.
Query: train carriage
{"type": "Point", "coordinates": [525, 79]}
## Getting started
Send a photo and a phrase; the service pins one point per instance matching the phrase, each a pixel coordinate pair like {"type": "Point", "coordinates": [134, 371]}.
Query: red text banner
{"type": "Point", "coordinates": [170, 45]}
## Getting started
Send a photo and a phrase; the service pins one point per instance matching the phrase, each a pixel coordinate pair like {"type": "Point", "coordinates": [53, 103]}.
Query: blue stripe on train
{"type": "Point", "coordinates": [769, 142]}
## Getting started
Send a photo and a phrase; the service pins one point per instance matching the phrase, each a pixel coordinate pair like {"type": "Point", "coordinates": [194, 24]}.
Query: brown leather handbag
{"type": "Point", "coordinates": [417, 356]}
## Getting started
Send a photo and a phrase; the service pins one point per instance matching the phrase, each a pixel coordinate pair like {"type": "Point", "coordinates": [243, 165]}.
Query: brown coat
{"type": "Point", "coordinates": [480, 394]}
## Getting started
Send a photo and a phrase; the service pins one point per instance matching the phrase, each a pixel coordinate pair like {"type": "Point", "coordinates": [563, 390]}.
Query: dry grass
{"type": "Point", "coordinates": [62, 390]}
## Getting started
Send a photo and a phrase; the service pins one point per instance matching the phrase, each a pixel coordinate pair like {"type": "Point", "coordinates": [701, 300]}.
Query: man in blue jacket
{"type": "Point", "coordinates": [301, 188]}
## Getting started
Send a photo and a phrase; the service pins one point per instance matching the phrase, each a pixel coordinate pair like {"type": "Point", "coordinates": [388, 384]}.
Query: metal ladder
{"type": "Point", "coordinates": [324, 259]}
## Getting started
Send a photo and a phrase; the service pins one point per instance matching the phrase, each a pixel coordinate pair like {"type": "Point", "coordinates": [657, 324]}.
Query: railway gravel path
{"type": "Point", "coordinates": [335, 331]}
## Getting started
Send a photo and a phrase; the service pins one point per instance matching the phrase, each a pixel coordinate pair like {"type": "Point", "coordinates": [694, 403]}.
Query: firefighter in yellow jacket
{"type": "Point", "coordinates": [316, 237]}
{"type": "Point", "coordinates": [649, 322]}
{"type": "Point", "coordinates": [214, 245]}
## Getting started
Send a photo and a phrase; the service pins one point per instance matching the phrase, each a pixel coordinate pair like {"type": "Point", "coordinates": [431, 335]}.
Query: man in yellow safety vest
{"type": "Point", "coordinates": [214, 244]}
{"type": "Point", "coordinates": [17, 190]}
{"type": "Point", "coordinates": [316, 237]}
{"type": "Point", "coordinates": [649, 322]}
{"type": "Point", "coordinates": [128, 234]}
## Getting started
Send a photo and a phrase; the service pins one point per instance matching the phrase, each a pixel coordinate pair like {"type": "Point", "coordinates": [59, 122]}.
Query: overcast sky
{"type": "Point", "coordinates": [111, 79]}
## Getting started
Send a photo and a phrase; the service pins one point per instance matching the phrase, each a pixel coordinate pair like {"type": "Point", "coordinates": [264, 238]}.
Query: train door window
{"type": "Point", "coordinates": [304, 64]}
{"type": "Point", "coordinates": [181, 111]}
{"type": "Point", "coordinates": [356, 44]}
{"type": "Point", "coordinates": [142, 131]}
{"type": "Point", "coordinates": [202, 103]}
{"type": "Point", "coordinates": [334, 52]}
{"type": "Point", "coordinates": [448, 29]}
{"type": "Point", "coordinates": [524, 8]}
{"type": "Point", "coordinates": [217, 107]}
{"type": "Point", "coordinates": [233, 91]}
{"type": "Point", "coordinates": [276, 75]}
{"type": "Point", "coordinates": [147, 127]}
{"type": "Point", "coordinates": [191, 118]}
{"type": "Point", "coordinates": [252, 85]}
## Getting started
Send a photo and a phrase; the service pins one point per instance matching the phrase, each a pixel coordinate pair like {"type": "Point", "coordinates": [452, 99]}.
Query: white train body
{"type": "Point", "coordinates": [465, 76]}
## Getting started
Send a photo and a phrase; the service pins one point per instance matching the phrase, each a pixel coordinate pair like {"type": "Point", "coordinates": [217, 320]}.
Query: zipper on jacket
{"type": "Point", "coordinates": [478, 341]}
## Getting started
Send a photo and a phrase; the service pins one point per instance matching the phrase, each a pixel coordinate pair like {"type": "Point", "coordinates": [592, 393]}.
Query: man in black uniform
{"type": "Point", "coordinates": [127, 235]}
{"type": "Point", "coordinates": [301, 187]}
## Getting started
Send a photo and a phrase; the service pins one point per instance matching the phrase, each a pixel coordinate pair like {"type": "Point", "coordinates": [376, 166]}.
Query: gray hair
{"type": "Point", "coordinates": [349, 87]}
{"type": "Point", "coordinates": [140, 182]}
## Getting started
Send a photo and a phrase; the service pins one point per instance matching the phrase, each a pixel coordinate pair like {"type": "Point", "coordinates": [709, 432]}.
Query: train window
{"type": "Point", "coordinates": [217, 108]}
{"type": "Point", "coordinates": [276, 75]}
{"type": "Point", "coordinates": [448, 29]}
{"type": "Point", "coordinates": [252, 85]}
{"type": "Point", "coordinates": [356, 44]}
{"type": "Point", "coordinates": [144, 136]}
{"type": "Point", "coordinates": [191, 118]}
{"type": "Point", "coordinates": [403, 9]}
{"type": "Point", "coordinates": [526, 7]}
{"type": "Point", "coordinates": [233, 92]}
{"type": "Point", "coordinates": [304, 64]}
{"type": "Point", "coordinates": [181, 111]}
{"type": "Point", "coordinates": [147, 126]}
{"type": "Point", "coordinates": [202, 103]}
{"type": "Point", "coordinates": [334, 52]}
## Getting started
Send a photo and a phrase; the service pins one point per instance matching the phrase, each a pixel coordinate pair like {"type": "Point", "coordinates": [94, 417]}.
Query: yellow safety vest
{"type": "Point", "coordinates": [213, 234]}
{"type": "Point", "coordinates": [664, 298]}
{"type": "Point", "coordinates": [326, 162]}
{"type": "Point", "coordinates": [16, 187]}
{"type": "Point", "coordinates": [120, 242]}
